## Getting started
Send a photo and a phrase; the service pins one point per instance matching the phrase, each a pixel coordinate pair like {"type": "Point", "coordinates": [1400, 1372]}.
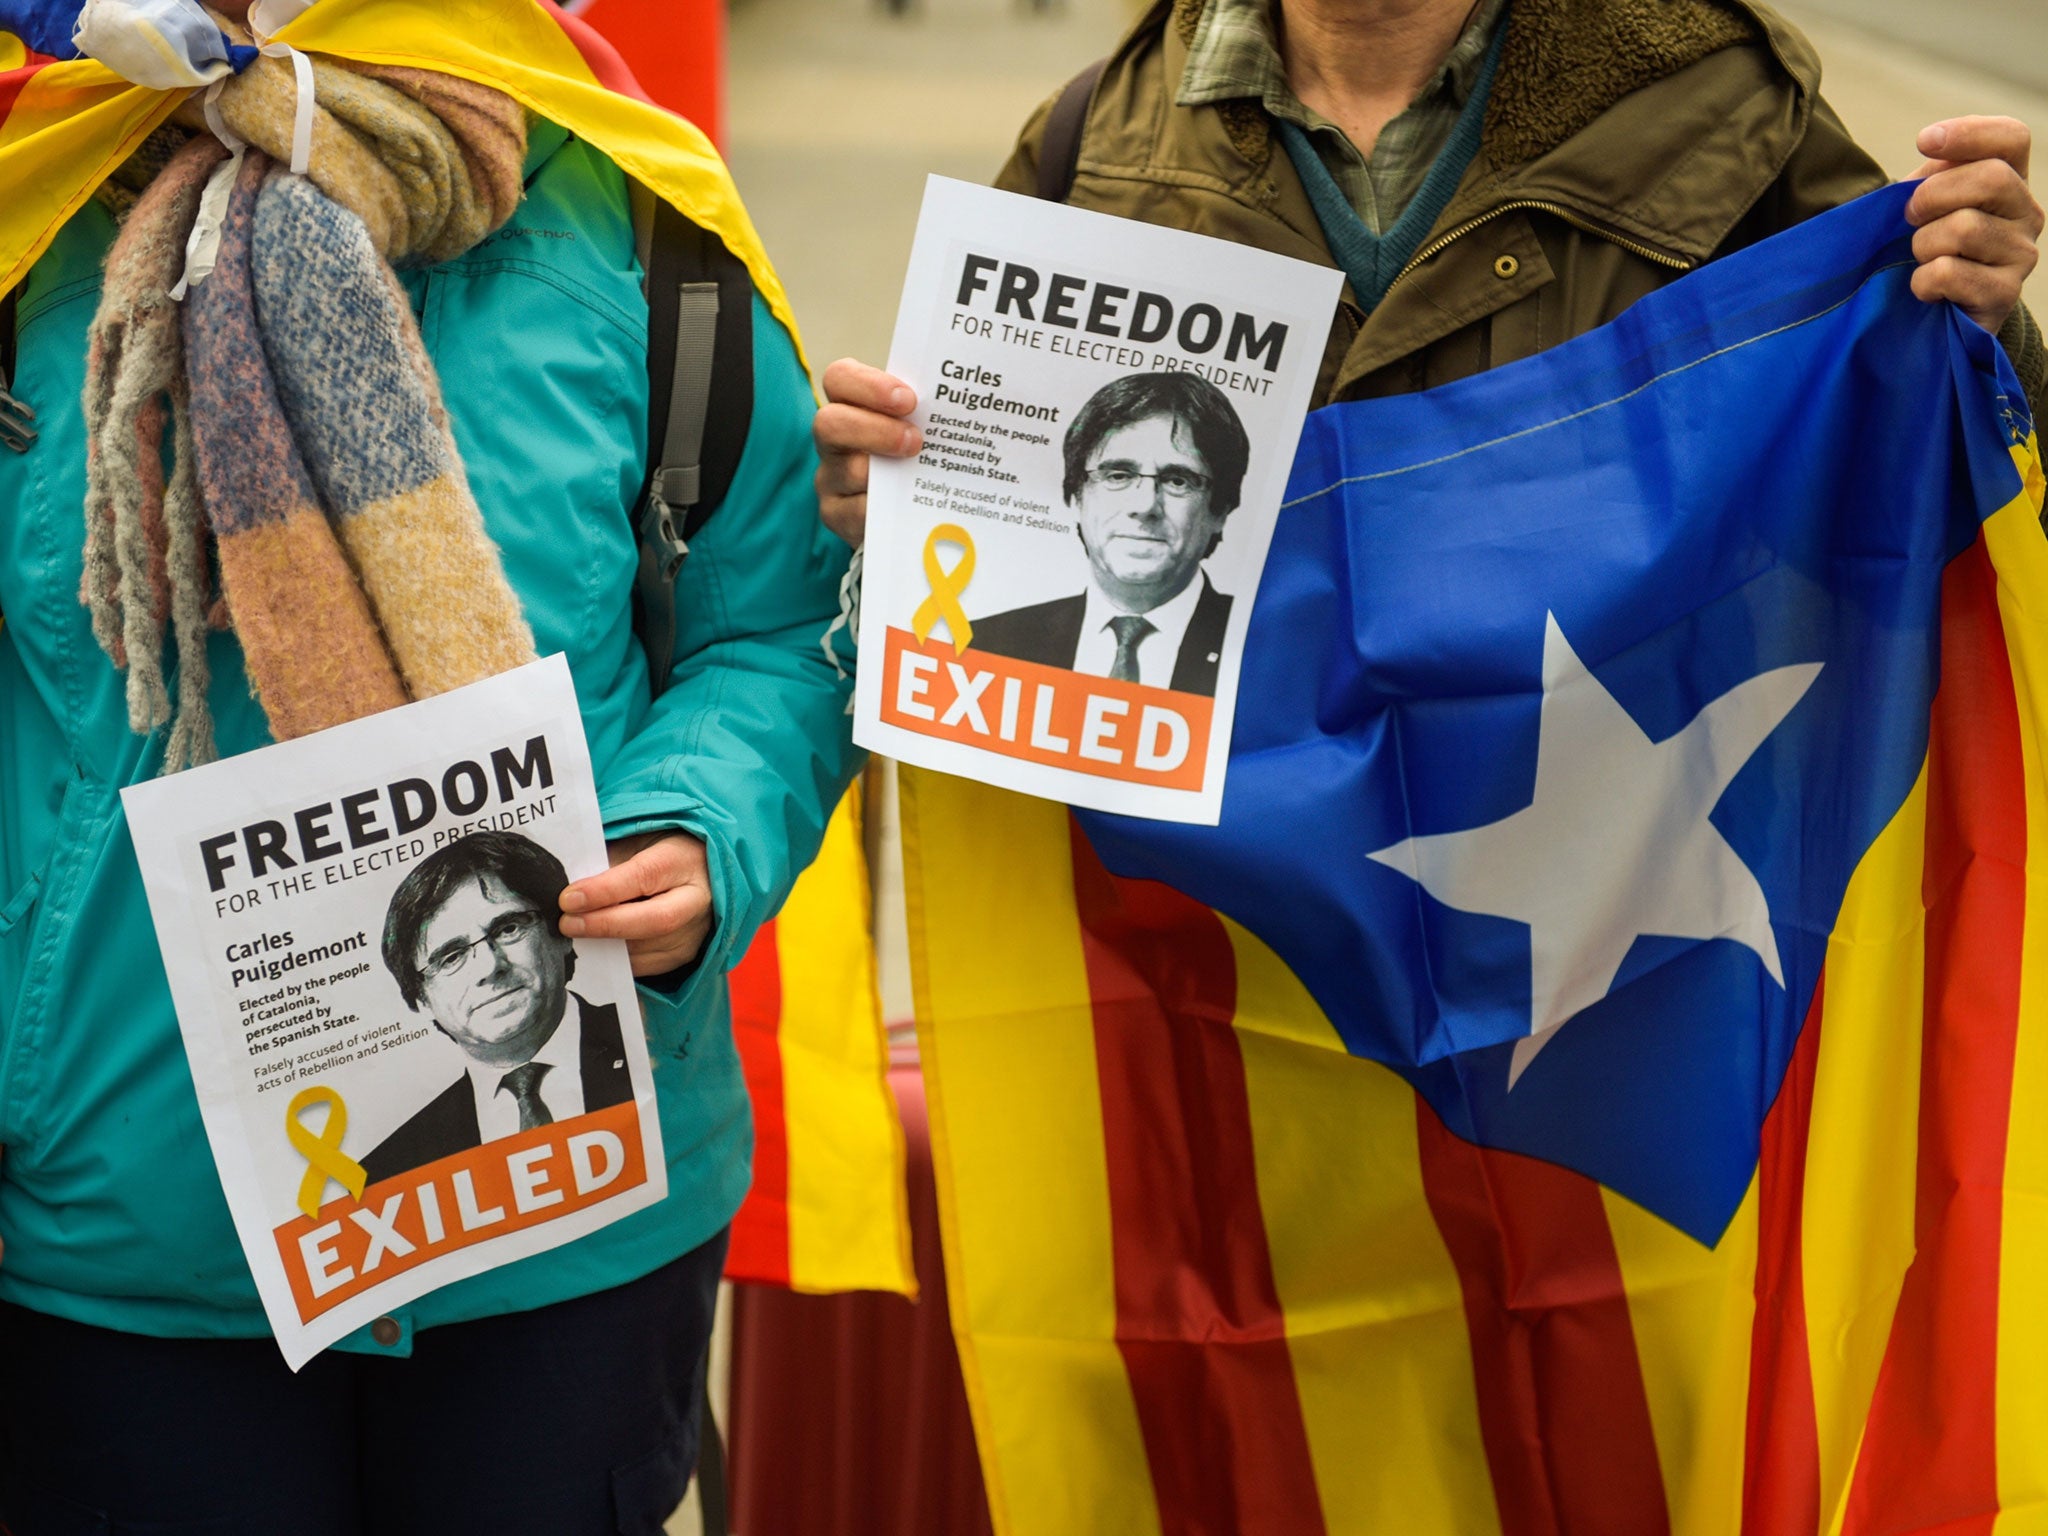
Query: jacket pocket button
{"type": "Point", "coordinates": [386, 1331]}
{"type": "Point", "coordinates": [1506, 266]}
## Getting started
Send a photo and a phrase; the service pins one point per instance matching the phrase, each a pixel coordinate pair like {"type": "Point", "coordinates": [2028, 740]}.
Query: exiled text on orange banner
{"type": "Point", "coordinates": [507, 1185]}
{"type": "Point", "coordinates": [1048, 715]}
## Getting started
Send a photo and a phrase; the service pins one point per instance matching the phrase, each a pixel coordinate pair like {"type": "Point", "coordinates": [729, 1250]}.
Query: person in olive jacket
{"type": "Point", "coordinates": [1492, 178]}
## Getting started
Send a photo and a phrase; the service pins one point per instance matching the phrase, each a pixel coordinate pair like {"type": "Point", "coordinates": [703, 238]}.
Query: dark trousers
{"type": "Point", "coordinates": [578, 1419]}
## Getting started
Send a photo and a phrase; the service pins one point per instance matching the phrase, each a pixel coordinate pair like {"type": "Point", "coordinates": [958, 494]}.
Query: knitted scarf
{"type": "Point", "coordinates": [310, 458]}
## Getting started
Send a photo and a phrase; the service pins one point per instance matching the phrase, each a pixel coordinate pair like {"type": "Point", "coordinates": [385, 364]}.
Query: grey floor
{"type": "Point", "coordinates": [839, 109]}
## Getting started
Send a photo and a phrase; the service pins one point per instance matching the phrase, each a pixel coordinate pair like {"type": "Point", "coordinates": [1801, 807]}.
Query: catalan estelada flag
{"type": "Point", "coordinates": [1594, 1080]}
{"type": "Point", "coordinates": [827, 1211]}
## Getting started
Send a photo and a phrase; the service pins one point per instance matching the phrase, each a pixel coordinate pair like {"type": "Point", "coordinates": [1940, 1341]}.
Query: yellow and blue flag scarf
{"type": "Point", "coordinates": [65, 124]}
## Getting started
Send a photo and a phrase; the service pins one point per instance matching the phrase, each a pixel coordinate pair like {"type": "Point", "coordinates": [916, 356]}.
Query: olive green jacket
{"type": "Point", "coordinates": [1626, 142]}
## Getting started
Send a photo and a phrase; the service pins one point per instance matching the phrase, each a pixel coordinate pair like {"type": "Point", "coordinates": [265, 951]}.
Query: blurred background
{"type": "Point", "coordinates": [846, 1413]}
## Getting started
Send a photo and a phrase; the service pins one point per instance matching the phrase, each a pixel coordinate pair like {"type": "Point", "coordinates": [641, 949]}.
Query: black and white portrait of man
{"type": "Point", "coordinates": [1154, 464]}
{"type": "Point", "coordinates": [471, 937]}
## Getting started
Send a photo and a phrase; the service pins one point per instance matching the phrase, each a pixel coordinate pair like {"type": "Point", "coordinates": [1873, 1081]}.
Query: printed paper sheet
{"type": "Point", "coordinates": [1057, 588]}
{"type": "Point", "coordinates": [406, 1072]}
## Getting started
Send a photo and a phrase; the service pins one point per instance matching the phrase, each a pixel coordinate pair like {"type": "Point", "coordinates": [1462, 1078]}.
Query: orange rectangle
{"type": "Point", "coordinates": [1048, 715]}
{"type": "Point", "coordinates": [502, 1187]}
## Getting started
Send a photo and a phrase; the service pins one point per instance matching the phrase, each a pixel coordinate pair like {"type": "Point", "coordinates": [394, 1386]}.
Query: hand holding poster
{"type": "Point", "coordinates": [407, 1073]}
{"type": "Point", "coordinates": [1057, 587]}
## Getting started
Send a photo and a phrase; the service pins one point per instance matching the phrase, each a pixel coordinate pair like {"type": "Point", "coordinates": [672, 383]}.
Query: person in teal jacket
{"type": "Point", "coordinates": [554, 1395]}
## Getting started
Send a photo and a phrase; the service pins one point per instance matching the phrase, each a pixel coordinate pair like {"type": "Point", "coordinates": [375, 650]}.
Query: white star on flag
{"type": "Point", "coordinates": [1616, 843]}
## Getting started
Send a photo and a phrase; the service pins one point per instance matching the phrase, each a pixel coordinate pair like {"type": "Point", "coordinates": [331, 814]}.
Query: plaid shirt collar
{"type": "Point", "coordinates": [1234, 55]}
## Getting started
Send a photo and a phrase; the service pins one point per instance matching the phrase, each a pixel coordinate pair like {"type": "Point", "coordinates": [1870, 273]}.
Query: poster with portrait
{"type": "Point", "coordinates": [1057, 587]}
{"type": "Point", "coordinates": [407, 1073]}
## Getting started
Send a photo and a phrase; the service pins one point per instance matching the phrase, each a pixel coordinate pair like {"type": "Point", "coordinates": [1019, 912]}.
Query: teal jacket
{"type": "Point", "coordinates": [109, 1204]}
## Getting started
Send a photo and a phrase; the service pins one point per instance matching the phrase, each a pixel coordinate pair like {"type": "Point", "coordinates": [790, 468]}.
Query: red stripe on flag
{"type": "Point", "coordinates": [12, 81]}
{"type": "Point", "coordinates": [604, 60]}
{"type": "Point", "coordinates": [1930, 1452]}
{"type": "Point", "coordinates": [1781, 1452]}
{"type": "Point", "coordinates": [1199, 1321]}
{"type": "Point", "coordinates": [760, 1230]}
{"type": "Point", "coordinates": [675, 48]}
{"type": "Point", "coordinates": [1562, 1407]}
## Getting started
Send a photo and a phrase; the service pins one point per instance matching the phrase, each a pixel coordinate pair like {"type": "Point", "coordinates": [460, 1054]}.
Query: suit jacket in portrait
{"type": "Point", "coordinates": [447, 1124]}
{"type": "Point", "coordinates": [1050, 635]}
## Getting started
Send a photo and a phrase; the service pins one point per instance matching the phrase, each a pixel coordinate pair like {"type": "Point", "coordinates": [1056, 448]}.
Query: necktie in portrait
{"type": "Point", "coordinates": [523, 1083]}
{"type": "Point", "coordinates": [1130, 630]}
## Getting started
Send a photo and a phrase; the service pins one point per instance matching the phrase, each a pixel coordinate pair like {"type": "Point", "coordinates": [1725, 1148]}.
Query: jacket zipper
{"type": "Point", "coordinates": [1577, 221]}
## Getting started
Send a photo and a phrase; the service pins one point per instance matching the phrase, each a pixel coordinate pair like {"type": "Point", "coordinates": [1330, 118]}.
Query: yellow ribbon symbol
{"type": "Point", "coordinates": [944, 603]}
{"type": "Point", "coordinates": [324, 1158]}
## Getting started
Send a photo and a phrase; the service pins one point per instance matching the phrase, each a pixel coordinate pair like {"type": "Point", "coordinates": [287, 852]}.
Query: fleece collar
{"type": "Point", "coordinates": [1566, 62]}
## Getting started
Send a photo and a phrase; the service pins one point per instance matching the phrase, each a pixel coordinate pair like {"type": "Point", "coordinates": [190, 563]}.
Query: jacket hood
{"type": "Point", "coordinates": [1564, 63]}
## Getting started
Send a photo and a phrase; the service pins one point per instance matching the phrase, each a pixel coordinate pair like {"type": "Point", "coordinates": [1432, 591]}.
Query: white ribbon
{"type": "Point", "coordinates": [848, 620]}
{"type": "Point", "coordinates": [173, 44]}
{"type": "Point", "coordinates": [302, 118]}
{"type": "Point", "coordinates": [202, 246]}
{"type": "Point", "coordinates": [302, 113]}
{"type": "Point", "coordinates": [219, 124]}
{"type": "Point", "coordinates": [269, 17]}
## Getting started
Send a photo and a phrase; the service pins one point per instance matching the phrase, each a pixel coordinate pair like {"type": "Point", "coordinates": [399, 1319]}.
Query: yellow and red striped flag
{"type": "Point", "coordinates": [827, 1212]}
{"type": "Point", "coordinates": [828, 1209]}
{"type": "Point", "coordinates": [1270, 1204]}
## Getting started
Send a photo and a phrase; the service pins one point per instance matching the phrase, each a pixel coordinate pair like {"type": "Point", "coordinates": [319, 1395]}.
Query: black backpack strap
{"type": "Point", "coordinates": [1059, 150]}
{"type": "Point", "coordinates": [700, 405]}
{"type": "Point", "coordinates": [17, 421]}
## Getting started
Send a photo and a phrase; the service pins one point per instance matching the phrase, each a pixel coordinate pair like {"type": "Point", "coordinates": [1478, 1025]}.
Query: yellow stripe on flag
{"type": "Point", "coordinates": [1007, 1034]}
{"type": "Point", "coordinates": [13, 52]}
{"type": "Point", "coordinates": [1691, 1308]}
{"type": "Point", "coordinates": [1375, 1315]}
{"type": "Point", "coordinates": [1861, 1158]}
{"type": "Point", "coordinates": [849, 1221]}
{"type": "Point", "coordinates": [2020, 558]}
{"type": "Point", "coordinates": [72, 124]}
